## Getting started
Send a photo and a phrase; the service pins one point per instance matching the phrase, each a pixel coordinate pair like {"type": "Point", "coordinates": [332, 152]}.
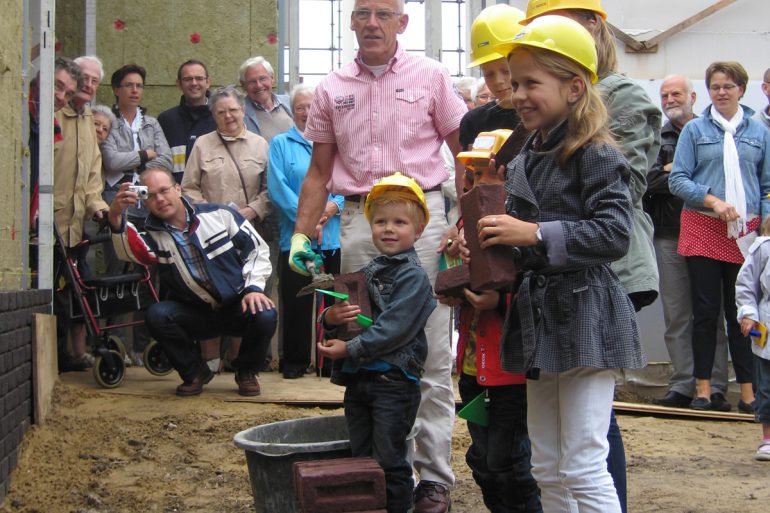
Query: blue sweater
{"type": "Point", "coordinates": [289, 161]}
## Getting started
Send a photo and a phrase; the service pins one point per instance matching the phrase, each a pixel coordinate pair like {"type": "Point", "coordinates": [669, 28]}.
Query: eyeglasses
{"type": "Point", "coordinates": [132, 85]}
{"type": "Point", "coordinates": [190, 80]}
{"type": "Point", "coordinates": [224, 112]}
{"type": "Point", "coordinates": [381, 15]}
{"type": "Point", "coordinates": [715, 88]}
{"type": "Point", "coordinates": [161, 192]}
{"type": "Point", "coordinates": [483, 96]}
{"type": "Point", "coordinates": [258, 80]}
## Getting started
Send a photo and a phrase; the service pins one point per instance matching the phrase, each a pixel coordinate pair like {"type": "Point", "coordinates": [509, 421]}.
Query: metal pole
{"type": "Point", "coordinates": [90, 26]}
{"type": "Point", "coordinates": [433, 29]}
{"type": "Point", "coordinates": [293, 42]}
{"type": "Point", "coordinates": [45, 180]}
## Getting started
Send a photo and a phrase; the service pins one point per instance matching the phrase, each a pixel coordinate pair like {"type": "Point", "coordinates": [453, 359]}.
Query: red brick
{"type": "Point", "coordinates": [452, 281]}
{"type": "Point", "coordinates": [340, 485]}
{"type": "Point", "coordinates": [354, 285]}
{"type": "Point", "coordinates": [491, 268]}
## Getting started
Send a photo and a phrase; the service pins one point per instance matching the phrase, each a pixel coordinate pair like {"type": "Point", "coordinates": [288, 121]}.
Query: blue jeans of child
{"type": "Point", "coordinates": [762, 382]}
{"type": "Point", "coordinates": [499, 454]}
{"type": "Point", "coordinates": [380, 409]}
{"type": "Point", "coordinates": [176, 326]}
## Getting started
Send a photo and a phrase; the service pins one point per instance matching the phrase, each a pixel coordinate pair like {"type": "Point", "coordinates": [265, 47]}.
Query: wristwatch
{"type": "Point", "coordinates": [539, 234]}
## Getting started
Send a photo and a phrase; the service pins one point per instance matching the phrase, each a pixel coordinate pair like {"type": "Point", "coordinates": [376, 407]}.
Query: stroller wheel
{"type": "Point", "coordinates": [115, 343]}
{"type": "Point", "coordinates": [155, 360]}
{"type": "Point", "coordinates": [109, 370]}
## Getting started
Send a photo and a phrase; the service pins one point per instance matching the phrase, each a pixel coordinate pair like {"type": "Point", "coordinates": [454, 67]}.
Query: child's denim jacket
{"type": "Point", "coordinates": [402, 300]}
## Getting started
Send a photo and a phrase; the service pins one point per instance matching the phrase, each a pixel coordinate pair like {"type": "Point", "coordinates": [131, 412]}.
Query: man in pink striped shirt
{"type": "Point", "coordinates": [390, 111]}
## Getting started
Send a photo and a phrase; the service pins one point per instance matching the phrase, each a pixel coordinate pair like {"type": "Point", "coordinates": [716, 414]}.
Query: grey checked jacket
{"type": "Point", "coordinates": [570, 309]}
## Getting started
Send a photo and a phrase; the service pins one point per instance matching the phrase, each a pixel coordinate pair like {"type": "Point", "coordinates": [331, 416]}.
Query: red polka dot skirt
{"type": "Point", "coordinates": [706, 236]}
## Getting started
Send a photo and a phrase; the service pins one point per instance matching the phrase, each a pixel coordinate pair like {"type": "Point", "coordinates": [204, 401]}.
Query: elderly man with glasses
{"type": "Point", "coordinates": [386, 111]}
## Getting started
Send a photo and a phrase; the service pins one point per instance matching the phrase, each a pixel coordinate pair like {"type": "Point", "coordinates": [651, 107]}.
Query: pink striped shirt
{"type": "Point", "coordinates": [394, 122]}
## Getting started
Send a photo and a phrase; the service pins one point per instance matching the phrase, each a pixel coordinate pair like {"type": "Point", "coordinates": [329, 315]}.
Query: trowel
{"type": "Point", "coordinates": [319, 280]}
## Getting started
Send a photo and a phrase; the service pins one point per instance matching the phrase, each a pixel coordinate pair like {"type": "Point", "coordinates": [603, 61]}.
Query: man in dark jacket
{"type": "Point", "coordinates": [183, 124]}
{"type": "Point", "coordinates": [677, 99]}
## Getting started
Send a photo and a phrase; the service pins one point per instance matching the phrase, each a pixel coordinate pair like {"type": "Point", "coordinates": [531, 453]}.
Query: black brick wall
{"type": "Point", "coordinates": [16, 309]}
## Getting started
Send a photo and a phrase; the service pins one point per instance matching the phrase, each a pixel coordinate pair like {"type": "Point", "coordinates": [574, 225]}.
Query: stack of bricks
{"type": "Point", "coordinates": [16, 321]}
{"type": "Point", "coordinates": [345, 485]}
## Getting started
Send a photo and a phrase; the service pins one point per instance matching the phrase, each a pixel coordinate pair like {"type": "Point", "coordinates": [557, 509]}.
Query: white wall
{"type": "Point", "coordinates": [739, 32]}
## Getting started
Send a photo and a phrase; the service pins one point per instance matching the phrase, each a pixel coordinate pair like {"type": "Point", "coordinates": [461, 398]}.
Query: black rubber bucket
{"type": "Point", "coordinates": [272, 449]}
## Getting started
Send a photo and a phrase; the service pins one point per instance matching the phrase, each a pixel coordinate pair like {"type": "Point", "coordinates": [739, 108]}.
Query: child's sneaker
{"type": "Point", "coordinates": [763, 451]}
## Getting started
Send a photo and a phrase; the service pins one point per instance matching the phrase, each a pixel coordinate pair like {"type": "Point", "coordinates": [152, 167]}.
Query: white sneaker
{"type": "Point", "coordinates": [763, 451]}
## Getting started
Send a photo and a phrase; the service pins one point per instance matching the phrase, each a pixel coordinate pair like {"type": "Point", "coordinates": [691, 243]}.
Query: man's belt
{"type": "Point", "coordinates": [362, 197]}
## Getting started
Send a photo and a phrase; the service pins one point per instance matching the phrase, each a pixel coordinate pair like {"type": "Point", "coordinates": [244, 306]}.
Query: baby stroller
{"type": "Point", "coordinates": [92, 298]}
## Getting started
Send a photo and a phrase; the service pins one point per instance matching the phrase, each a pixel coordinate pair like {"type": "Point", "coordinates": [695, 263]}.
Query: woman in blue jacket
{"type": "Point", "coordinates": [721, 170]}
{"type": "Point", "coordinates": [289, 160]}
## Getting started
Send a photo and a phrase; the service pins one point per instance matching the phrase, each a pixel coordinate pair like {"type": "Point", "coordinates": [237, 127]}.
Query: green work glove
{"type": "Point", "coordinates": [301, 254]}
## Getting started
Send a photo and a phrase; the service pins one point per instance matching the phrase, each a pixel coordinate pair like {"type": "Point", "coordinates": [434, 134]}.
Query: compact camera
{"type": "Point", "coordinates": [140, 190]}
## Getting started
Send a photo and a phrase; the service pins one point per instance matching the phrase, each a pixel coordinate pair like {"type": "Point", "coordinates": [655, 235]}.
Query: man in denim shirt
{"type": "Point", "coordinates": [383, 364]}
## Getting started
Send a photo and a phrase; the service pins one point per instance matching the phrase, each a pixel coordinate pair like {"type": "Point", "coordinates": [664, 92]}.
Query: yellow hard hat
{"type": "Point", "coordinates": [491, 27]}
{"type": "Point", "coordinates": [484, 146]}
{"type": "Point", "coordinates": [537, 8]}
{"type": "Point", "coordinates": [398, 185]}
{"type": "Point", "coordinates": [558, 34]}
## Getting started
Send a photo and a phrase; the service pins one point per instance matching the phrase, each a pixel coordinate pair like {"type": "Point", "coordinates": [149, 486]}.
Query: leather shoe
{"type": "Point", "coordinates": [745, 407]}
{"type": "Point", "coordinates": [290, 373]}
{"type": "Point", "coordinates": [674, 400]}
{"type": "Point", "coordinates": [195, 387]}
{"type": "Point", "coordinates": [719, 403]}
{"type": "Point", "coordinates": [247, 383]}
{"type": "Point", "coordinates": [431, 497]}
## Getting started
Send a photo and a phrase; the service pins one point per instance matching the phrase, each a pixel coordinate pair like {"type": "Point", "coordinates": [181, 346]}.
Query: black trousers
{"type": "Point", "coordinates": [296, 313]}
{"type": "Point", "coordinates": [712, 284]}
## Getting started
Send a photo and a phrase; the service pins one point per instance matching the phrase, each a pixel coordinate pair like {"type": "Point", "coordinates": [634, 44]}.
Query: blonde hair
{"type": "Point", "coordinates": [413, 209]}
{"type": "Point", "coordinates": [607, 57]}
{"type": "Point", "coordinates": [587, 118]}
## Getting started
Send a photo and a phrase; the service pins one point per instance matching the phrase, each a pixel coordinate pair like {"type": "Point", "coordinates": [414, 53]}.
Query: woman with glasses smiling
{"type": "Point", "coordinates": [721, 170]}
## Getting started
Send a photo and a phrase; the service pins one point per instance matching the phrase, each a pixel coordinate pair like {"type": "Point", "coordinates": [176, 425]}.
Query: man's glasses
{"type": "Point", "coordinates": [163, 191]}
{"type": "Point", "coordinates": [381, 15]}
{"type": "Point", "coordinates": [190, 80]}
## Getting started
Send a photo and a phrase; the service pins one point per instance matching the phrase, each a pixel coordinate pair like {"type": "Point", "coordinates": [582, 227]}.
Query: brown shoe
{"type": "Point", "coordinates": [195, 387]}
{"type": "Point", "coordinates": [247, 383]}
{"type": "Point", "coordinates": [431, 497]}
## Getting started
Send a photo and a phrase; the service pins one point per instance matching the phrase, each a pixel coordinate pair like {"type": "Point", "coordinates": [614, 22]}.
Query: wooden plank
{"type": "Point", "coordinates": [653, 409]}
{"type": "Point", "coordinates": [630, 41]}
{"type": "Point", "coordinates": [692, 20]}
{"type": "Point", "coordinates": [45, 369]}
{"type": "Point", "coordinates": [633, 45]}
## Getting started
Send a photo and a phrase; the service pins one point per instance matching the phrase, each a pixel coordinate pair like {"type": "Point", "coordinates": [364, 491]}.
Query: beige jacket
{"type": "Point", "coordinates": [77, 178]}
{"type": "Point", "coordinates": [211, 176]}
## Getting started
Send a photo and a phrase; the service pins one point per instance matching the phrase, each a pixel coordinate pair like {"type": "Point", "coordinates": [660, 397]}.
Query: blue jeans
{"type": "Point", "coordinates": [176, 326]}
{"type": "Point", "coordinates": [499, 454]}
{"type": "Point", "coordinates": [762, 382]}
{"type": "Point", "coordinates": [380, 409]}
{"type": "Point", "coordinates": [616, 462]}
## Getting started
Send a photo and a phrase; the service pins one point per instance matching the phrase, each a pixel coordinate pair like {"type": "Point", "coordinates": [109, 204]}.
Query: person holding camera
{"type": "Point", "coordinates": [213, 264]}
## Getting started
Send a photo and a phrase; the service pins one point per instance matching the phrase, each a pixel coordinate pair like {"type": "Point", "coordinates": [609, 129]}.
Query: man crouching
{"type": "Point", "coordinates": [212, 266]}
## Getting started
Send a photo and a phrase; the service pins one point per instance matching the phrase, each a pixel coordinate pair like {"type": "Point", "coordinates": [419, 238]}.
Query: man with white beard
{"type": "Point", "coordinates": [677, 99]}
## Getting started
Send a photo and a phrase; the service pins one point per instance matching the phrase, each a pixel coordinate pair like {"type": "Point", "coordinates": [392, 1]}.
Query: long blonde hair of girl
{"type": "Point", "coordinates": [587, 118]}
{"type": "Point", "coordinates": [607, 58]}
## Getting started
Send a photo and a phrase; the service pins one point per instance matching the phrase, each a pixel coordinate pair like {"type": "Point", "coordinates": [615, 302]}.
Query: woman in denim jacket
{"type": "Point", "coordinates": [721, 170]}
